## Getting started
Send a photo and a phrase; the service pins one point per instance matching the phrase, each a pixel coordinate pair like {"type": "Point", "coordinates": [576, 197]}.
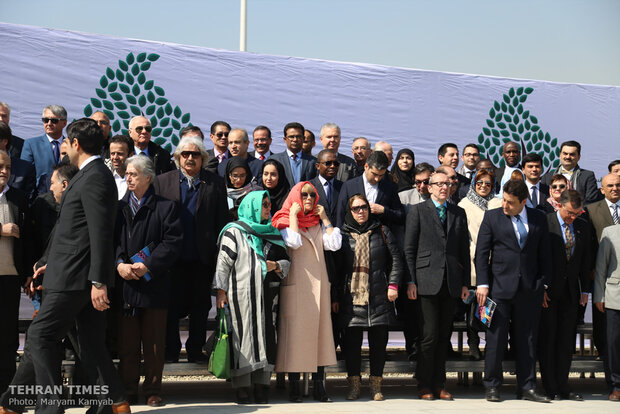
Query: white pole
{"type": "Point", "coordinates": [243, 26]}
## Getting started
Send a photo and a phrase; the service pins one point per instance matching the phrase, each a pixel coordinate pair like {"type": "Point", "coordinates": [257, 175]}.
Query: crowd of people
{"type": "Point", "coordinates": [306, 254]}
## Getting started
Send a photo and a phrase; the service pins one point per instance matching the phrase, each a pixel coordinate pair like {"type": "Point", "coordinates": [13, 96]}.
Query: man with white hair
{"type": "Point", "coordinates": [330, 136]}
{"type": "Point", "coordinates": [140, 131]}
{"type": "Point", "coordinates": [201, 197]}
{"type": "Point", "coordinates": [15, 147]}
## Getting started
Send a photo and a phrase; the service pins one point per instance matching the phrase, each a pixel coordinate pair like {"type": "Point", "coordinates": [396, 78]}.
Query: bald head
{"type": "Point", "coordinates": [610, 187]}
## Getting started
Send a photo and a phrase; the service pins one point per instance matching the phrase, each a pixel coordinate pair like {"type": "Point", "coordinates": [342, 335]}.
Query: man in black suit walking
{"type": "Point", "coordinates": [513, 267]}
{"type": "Point", "coordinates": [570, 239]}
{"type": "Point", "coordinates": [437, 253]}
{"type": "Point", "coordinates": [79, 272]}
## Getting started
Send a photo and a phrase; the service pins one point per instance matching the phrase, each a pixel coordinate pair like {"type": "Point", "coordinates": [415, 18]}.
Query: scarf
{"type": "Point", "coordinates": [279, 193]}
{"type": "Point", "coordinates": [251, 225]}
{"type": "Point", "coordinates": [404, 180]}
{"type": "Point", "coordinates": [476, 198]}
{"type": "Point", "coordinates": [280, 220]}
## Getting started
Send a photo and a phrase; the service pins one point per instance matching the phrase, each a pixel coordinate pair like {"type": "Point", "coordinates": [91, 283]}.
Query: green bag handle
{"type": "Point", "coordinates": [222, 317]}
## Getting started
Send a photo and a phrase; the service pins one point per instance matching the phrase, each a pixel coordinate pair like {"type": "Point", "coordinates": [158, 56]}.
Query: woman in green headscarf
{"type": "Point", "coordinates": [251, 262]}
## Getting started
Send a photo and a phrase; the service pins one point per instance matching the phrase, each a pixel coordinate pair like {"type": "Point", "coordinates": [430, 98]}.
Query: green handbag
{"type": "Point", "coordinates": [219, 361]}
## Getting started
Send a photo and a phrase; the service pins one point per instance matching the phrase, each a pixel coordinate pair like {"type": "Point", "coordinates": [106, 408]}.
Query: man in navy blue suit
{"type": "Point", "coordinates": [513, 267]}
{"type": "Point", "coordinates": [44, 151]}
{"type": "Point", "coordinates": [22, 173]}
{"type": "Point", "coordinates": [298, 166]}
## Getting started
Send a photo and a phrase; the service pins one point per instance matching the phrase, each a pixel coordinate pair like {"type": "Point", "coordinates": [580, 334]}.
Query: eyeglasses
{"type": "Point", "coordinates": [52, 120]}
{"type": "Point", "coordinates": [146, 128]}
{"type": "Point", "coordinates": [222, 134]}
{"type": "Point", "coordinates": [558, 186]}
{"type": "Point", "coordinates": [266, 204]}
{"type": "Point", "coordinates": [420, 182]}
{"type": "Point", "coordinates": [308, 195]}
{"type": "Point", "coordinates": [359, 209]}
{"type": "Point", "coordinates": [481, 183]}
{"type": "Point", "coordinates": [453, 177]}
{"type": "Point", "coordinates": [295, 137]}
{"type": "Point", "coordinates": [330, 163]}
{"type": "Point", "coordinates": [193, 154]}
{"type": "Point", "coordinates": [572, 213]}
{"type": "Point", "coordinates": [471, 154]}
{"type": "Point", "coordinates": [442, 184]}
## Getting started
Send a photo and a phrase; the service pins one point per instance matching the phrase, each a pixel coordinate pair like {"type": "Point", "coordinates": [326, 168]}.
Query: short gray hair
{"type": "Point", "coordinates": [143, 165]}
{"type": "Point", "coordinates": [244, 133]}
{"type": "Point", "coordinates": [329, 125]}
{"type": "Point", "coordinates": [191, 140]}
{"type": "Point", "coordinates": [6, 106]}
{"type": "Point", "coordinates": [362, 138]}
{"type": "Point", "coordinates": [57, 110]}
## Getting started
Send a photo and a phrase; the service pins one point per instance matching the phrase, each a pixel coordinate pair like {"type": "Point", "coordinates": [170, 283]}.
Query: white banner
{"type": "Point", "coordinates": [175, 85]}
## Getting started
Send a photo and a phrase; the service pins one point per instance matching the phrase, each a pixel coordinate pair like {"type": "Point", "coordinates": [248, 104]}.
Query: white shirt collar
{"type": "Point", "coordinates": [610, 204]}
{"type": "Point", "coordinates": [89, 160]}
{"type": "Point", "coordinates": [2, 194]}
{"type": "Point", "coordinates": [290, 153]}
{"type": "Point", "coordinates": [530, 185]}
{"type": "Point", "coordinates": [59, 140]}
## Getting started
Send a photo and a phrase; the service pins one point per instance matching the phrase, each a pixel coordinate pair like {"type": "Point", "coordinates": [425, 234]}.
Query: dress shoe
{"type": "Point", "coordinates": [426, 394]}
{"type": "Point", "coordinates": [172, 359]}
{"type": "Point", "coordinates": [243, 395]}
{"type": "Point", "coordinates": [475, 354]}
{"type": "Point", "coordinates": [532, 395]}
{"type": "Point", "coordinates": [121, 408]}
{"type": "Point", "coordinates": [261, 394]}
{"type": "Point", "coordinates": [492, 394]}
{"type": "Point", "coordinates": [197, 358]}
{"type": "Point", "coordinates": [154, 401]}
{"type": "Point", "coordinates": [442, 394]}
{"type": "Point", "coordinates": [572, 396]}
{"type": "Point", "coordinates": [614, 396]}
{"type": "Point", "coordinates": [319, 393]}
{"type": "Point", "coordinates": [294, 395]}
{"type": "Point", "coordinates": [6, 411]}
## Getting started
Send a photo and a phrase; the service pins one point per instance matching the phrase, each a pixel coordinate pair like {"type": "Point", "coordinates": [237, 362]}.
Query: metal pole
{"type": "Point", "coordinates": [243, 26]}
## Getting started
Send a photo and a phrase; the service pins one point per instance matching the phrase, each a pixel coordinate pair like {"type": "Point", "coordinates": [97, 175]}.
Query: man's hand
{"type": "Point", "coordinates": [583, 301]}
{"type": "Point", "coordinates": [126, 271]}
{"type": "Point", "coordinates": [10, 230]}
{"type": "Point", "coordinates": [271, 265]}
{"type": "Point", "coordinates": [481, 295]}
{"type": "Point", "coordinates": [464, 293]}
{"type": "Point", "coordinates": [392, 294]}
{"type": "Point", "coordinates": [600, 306]}
{"type": "Point", "coordinates": [295, 209]}
{"type": "Point", "coordinates": [39, 271]}
{"type": "Point", "coordinates": [376, 208]}
{"type": "Point", "coordinates": [139, 269]}
{"type": "Point", "coordinates": [412, 291]}
{"type": "Point", "coordinates": [99, 297]}
{"type": "Point", "coordinates": [221, 300]}
{"type": "Point", "coordinates": [546, 300]}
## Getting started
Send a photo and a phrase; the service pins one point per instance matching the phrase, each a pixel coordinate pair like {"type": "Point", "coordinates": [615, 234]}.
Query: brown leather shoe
{"type": "Point", "coordinates": [614, 396]}
{"type": "Point", "coordinates": [6, 411]}
{"type": "Point", "coordinates": [442, 394]}
{"type": "Point", "coordinates": [154, 401]}
{"type": "Point", "coordinates": [121, 408]}
{"type": "Point", "coordinates": [426, 394]}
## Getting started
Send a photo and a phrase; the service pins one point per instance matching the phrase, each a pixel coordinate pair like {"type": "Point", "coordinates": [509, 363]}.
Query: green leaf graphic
{"type": "Point", "coordinates": [88, 110]}
{"type": "Point", "coordinates": [141, 57]}
{"type": "Point", "coordinates": [96, 102]}
{"type": "Point", "coordinates": [103, 81]}
{"type": "Point", "coordinates": [141, 78]}
{"type": "Point", "coordinates": [131, 99]}
{"type": "Point", "coordinates": [108, 105]}
{"type": "Point", "coordinates": [120, 105]}
{"type": "Point", "coordinates": [124, 88]}
{"type": "Point", "coordinates": [109, 73]}
{"type": "Point", "coordinates": [130, 58]}
{"type": "Point", "coordinates": [123, 66]}
{"type": "Point", "coordinates": [153, 57]}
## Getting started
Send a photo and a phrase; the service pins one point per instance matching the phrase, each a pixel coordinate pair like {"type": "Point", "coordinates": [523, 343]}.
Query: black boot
{"type": "Point", "coordinates": [243, 395]}
{"type": "Point", "coordinates": [294, 394]}
{"type": "Point", "coordinates": [318, 391]}
{"type": "Point", "coordinates": [261, 394]}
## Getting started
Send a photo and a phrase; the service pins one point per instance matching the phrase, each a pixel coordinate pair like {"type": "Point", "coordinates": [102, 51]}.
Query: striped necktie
{"type": "Point", "coordinates": [614, 216]}
{"type": "Point", "coordinates": [441, 209]}
{"type": "Point", "coordinates": [134, 203]}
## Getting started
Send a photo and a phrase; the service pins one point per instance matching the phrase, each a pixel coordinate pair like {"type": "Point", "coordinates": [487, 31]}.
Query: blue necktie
{"type": "Point", "coordinates": [522, 231]}
{"type": "Point", "coordinates": [56, 151]}
{"type": "Point", "coordinates": [442, 213]}
{"type": "Point", "coordinates": [134, 203]}
{"type": "Point", "coordinates": [328, 192]}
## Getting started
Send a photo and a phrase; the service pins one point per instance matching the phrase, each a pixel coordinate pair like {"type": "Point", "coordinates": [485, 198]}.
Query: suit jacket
{"type": "Point", "coordinates": [347, 169]}
{"type": "Point", "coordinates": [599, 215]}
{"type": "Point", "coordinates": [543, 195]}
{"type": "Point", "coordinates": [386, 196]}
{"type": "Point", "coordinates": [255, 165]}
{"type": "Point", "coordinates": [583, 181]}
{"type": "Point", "coordinates": [331, 210]}
{"type": "Point", "coordinates": [161, 158]}
{"type": "Point", "coordinates": [462, 173]}
{"type": "Point", "coordinates": [432, 253]}
{"type": "Point", "coordinates": [82, 249]}
{"type": "Point", "coordinates": [256, 155]}
{"type": "Point", "coordinates": [22, 251]}
{"type": "Point", "coordinates": [503, 265]}
{"type": "Point", "coordinates": [308, 167]}
{"type": "Point", "coordinates": [24, 178]}
{"type": "Point", "coordinates": [607, 271]}
{"type": "Point", "coordinates": [15, 149]}
{"type": "Point", "coordinates": [211, 209]}
{"type": "Point", "coordinates": [44, 216]}
{"type": "Point", "coordinates": [573, 273]}
{"type": "Point", "coordinates": [213, 162]}
{"type": "Point", "coordinates": [38, 152]}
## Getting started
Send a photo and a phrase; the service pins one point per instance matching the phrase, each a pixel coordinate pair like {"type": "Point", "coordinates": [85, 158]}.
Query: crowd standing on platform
{"type": "Point", "coordinates": [305, 253]}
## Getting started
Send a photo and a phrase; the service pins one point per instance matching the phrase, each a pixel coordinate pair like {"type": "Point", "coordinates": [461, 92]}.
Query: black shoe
{"type": "Point", "coordinates": [172, 359]}
{"type": "Point", "coordinates": [475, 354]}
{"type": "Point", "coordinates": [572, 396]}
{"type": "Point", "coordinates": [451, 354]}
{"type": "Point", "coordinates": [197, 358]}
{"type": "Point", "coordinates": [319, 392]}
{"type": "Point", "coordinates": [492, 394]}
{"type": "Point", "coordinates": [243, 395]}
{"type": "Point", "coordinates": [293, 391]}
{"type": "Point", "coordinates": [532, 395]}
{"type": "Point", "coordinates": [261, 394]}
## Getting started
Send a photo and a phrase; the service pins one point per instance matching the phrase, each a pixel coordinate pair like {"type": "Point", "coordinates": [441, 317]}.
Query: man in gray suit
{"type": "Point", "coordinates": [606, 298]}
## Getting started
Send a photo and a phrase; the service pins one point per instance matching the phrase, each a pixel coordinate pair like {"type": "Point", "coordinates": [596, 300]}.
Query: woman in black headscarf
{"type": "Point", "coordinates": [273, 179]}
{"type": "Point", "coordinates": [403, 169]}
{"type": "Point", "coordinates": [239, 182]}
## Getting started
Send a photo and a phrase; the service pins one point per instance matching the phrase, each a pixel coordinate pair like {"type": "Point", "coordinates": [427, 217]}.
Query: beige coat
{"type": "Point", "coordinates": [305, 339]}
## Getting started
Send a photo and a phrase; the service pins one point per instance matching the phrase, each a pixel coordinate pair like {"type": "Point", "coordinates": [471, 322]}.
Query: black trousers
{"type": "Point", "coordinates": [556, 342]}
{"type": "Point", "coordinates": [613, 347]}
{"type": "Point", "coordinates": [190, 295]}
{"type": "Point", "coordinates": [9, 335]}
{"type": "Point", "coordinates": [523, 312]}
{"type": "Point", "coordinates": [409, 314]}
{"type": "Point", "coordinates": [377, 341]}
{"type": "Point", "coordinates": [437, 313]}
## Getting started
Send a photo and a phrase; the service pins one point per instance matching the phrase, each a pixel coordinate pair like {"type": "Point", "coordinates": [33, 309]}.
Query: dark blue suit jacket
{"type": "Point", "coordinates": [386, 196]}
{"type": "Point", "coordinates": [308, 167]}
{"type": "Point", "coordinates": [330, 209]}
{"type": "Point", "coordinates": [503, 265]}
{"type": "Point", "coordinates": [38, 152]}
{"type": "Point", "coordinates": [23, 177]}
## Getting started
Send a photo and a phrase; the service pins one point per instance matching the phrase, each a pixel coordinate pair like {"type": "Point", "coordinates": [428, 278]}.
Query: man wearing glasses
{"type": "Point", "coordinates": [470, 157]}
{"type": "Point", "coordinates": [140, 131]}
{"type": "Point", "coordinates": [44, 151]}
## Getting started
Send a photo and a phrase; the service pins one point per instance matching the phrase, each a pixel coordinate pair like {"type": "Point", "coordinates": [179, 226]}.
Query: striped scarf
{"type": "Point", "coordinates": [361, 268]}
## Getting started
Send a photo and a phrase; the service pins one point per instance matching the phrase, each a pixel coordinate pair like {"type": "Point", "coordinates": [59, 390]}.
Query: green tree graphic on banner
{"type": "Point", "coordinates": [510, 121]}
{"type": "Point", "coordinates": [127, 92]}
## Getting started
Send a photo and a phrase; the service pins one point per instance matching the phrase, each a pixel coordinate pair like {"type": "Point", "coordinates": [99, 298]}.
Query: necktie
{"type": "Point", "coordinates": [294, 156]}
{"type": "Point", "coordinates": [262, 158]}
{"type": "Point", "coordinates": [56, 151]}
{"type": "Point", "coordinates": [614, 216]}
{"type": "Point", "coordinates": [569, 241]}
{"type": "Point", "coordinates": [468, 174]}
{"type": "Point", "coordinates": [442, 213]}
{"type": "Point", "coordinates": [220, 157]}
{"type": "Point", "coordinates": [522, 231]}
{"type": "Point", "coordinates": [534, 196]}
{"type": "Point", "coordinates": [134, 203]}
{"type": "Point", "coordinates": [328, 192]}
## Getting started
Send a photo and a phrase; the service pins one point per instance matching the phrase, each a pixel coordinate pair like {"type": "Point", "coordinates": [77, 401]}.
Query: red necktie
{"type": "Point", "coordinates": [262, 158]}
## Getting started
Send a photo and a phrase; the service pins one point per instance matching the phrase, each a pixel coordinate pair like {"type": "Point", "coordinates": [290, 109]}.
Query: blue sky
{"type": "Point", "coordinates": [573, 41]}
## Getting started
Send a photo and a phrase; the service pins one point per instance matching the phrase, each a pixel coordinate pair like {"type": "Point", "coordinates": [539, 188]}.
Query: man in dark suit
{"type": "Point", "coordinates": [14, 148]}
{"type": "Point", "coordinates": [16, 262]}
{"type": "Point", "coordinates": [262, 143]}
{"type": "Point", "coordinates": [361, 150]}
{"type": "Point", "coordinates": [513, 267]}
{"type": "Point", "coordinates": [238, 143]}
{"type": "Point", "coordinates": [297, 165]}
{"type": "Point", "coordinates": [23, 176]}
{"type": "Point", "coordinates": [437, 253]}
{"type": "Point", "coordinates": [79, 272]}
{"type": "Point", "coordinates": [537, 191]}
{"type": "Point", "coordinates": [201, 196]}
{"type": "Point", "coordinates": [470, 157]}
{"type": "Point", "coordinates": [448, 156]}
{"type": "Point", "coordinates": [384, 201]}
{"type": "Point", "coordinates": [219, 136]}
{"type": "Point", "coordinates": [44, 151]}
{"type": "Point", "coordinates": [330, 136]}
{"type": "Point", "coordinates": [570, 254]}
{"type": "Point", "coordinates": [581, 180]}
{"type": "Point", "coordinates": [140, 132]}
{"type": "Point", "coordinates": [511, 152]}
{"type": "Point", "coordinates": [106, 127]}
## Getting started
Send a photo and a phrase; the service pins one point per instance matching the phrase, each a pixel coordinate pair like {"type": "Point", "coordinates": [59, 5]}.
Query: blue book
{"type": "Point", "coordinates": [139, 258]}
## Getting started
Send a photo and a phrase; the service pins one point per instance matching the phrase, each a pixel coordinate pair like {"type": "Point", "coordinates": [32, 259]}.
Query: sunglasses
{"type": "Point", "coordinates": [187, 154]}
{"type": "Point", "coordinates": [481, 183]}
{"type": "Point", "coordinates": [558, 186]}
{"type": "Point", "coordinates": [359, 209]}
{"type": "Point", "coordinates": [52, 120]}
{"type": "Point", "coordinates": [146, 128]}
{"type": "Point", "coordinates": [330, 163]}
{"type": "Point", "coordinates": [308, 195]}
{"type": "Point", "coordinates": [420, 182]}
{"type": "Point", "coordinates": [222, 134]}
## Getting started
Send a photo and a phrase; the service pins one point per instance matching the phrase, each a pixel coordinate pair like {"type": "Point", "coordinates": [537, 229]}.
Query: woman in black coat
{"type": "Point", "coordinates": [374, 266]}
